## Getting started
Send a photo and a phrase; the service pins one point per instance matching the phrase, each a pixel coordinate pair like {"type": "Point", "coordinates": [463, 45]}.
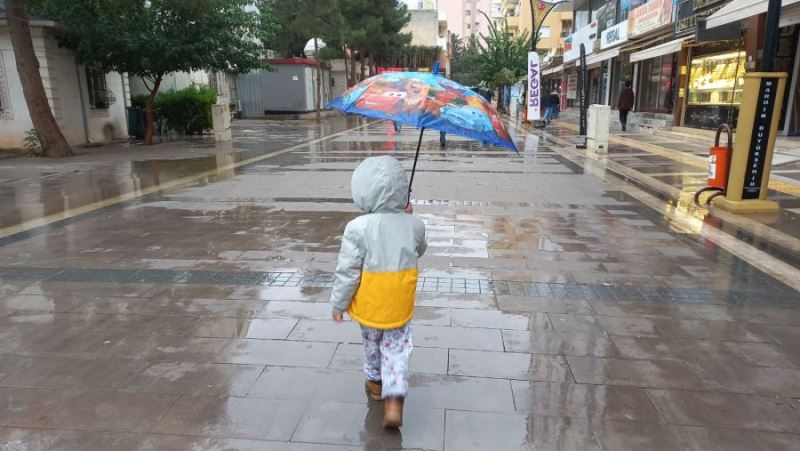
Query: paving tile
{"type": "Point", "coordinates": [596, 402]}
{"type": "Point", "coordinates": [146, 324]}
{"type": "Point", "coordinates": [361, 425]}
{"type": "Point", "coordinates": [326, 331]}
{"type": "Point", "coordinates": [460, 393]}
{"type": "Point", "coordinates": [774, 441]}
{"type": "Point", "coordinates": [558, 344]}
{"type": "Point", "coordinates": [166, 349]}
{"type": "Point", "coordinates": [764, 413]}
{"type": "Point", "coordinates": [628, 326]}
{"type": "Point", "coordinates": [576, 324]}
{"type": "Point", "coordinates": [712, 439]}
{"type": "Point", "coordinates": [122, 306]}
{"type": "Point", "coordinates": [655, 348]}
{"type": "Point", "coordinates": [458, 338]}
{"type": "Point", "coordinates": [423, 360]}
{"type": "Point", "coordinates": [636, 436]}
{"type": "Point", "coordinates": [17, 403]}
{"type": "Point", "coordinates": [785, 335]}
{"type": "Point", "coordinates": [638, 373]}
{"type": "Point", "coordinates": [311, 294]}
{"type": "Point", "coordinates": [95, 410]}
{"type": "Point", "coordinates": [494, 319]}
{"type": "Point", "coordinates": [215, 308]}
{"type": "Point", "coordinates": [310, 384]}
{"type": "Point", "coordinates": [733, 376]}
{"type": "Point", "coordinates": [183, 378]}
{"type": "Point", "coordinates": [499, 431]}
{"type": "Point", "coordinates": [18, 439]}
{"type": "Point", "coordinates": [298, 310]}
{"type": "Point", "coordinates": [507, 365]}
{"type": "Point", "coordinates": [630, 309]}
{"type": "Point", "coordinates": [243, 328]}
{"type": "Point", "coordinates": [60, 372]}
{"type": "Point", "coordinates": [163, 442]}
{"type": "Point", "coordinates": [456, 300]}
{"type": "Point", "coordinates": [711, 330]}
{"type": "Point", "coordinates": [432, 316]}
{"type": "Point", "coordinates": [193, 291]}
{"type": "Point", "coordinates": [546, 305]}
{"type": "Point", "coordinates": [90, 289]}
{"type": "Point", "coordinates": [280, 353]}
{"type": "Point", "coordinates": [765, 354]}
{"type": "Point", "coordinates": [40, 303]}
{"type": "Point", "coordinates": [232, 418]}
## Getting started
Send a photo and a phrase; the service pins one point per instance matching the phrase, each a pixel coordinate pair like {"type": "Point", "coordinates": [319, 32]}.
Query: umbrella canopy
{"type": "Point", "coordinates": [427, 101]}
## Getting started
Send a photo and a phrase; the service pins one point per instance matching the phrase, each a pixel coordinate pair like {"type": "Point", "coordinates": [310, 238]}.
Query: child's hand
{"type": "Point", "coordinates": [337, 316]}
{"type": "Point", "coordinates": [409, 209]}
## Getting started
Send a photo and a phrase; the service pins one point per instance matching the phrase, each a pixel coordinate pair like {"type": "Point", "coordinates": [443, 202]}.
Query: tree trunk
{"type": "Point", "coordinates": [500, 106]}
{"type": "Point", "coordinates": [319, 79]}
{"type": "Point", "coordinates": [371, 67]}
{"type": "Point", "coordinates": [148, 137]}
{"type": "Point", "coordinates": [353, 78]}
{"type": "Point", "coordinates": [346, 69]}
{"type": "Point", "coordinates": [363, 68]}
{"type": "Point", "coordinates": [50, 137]}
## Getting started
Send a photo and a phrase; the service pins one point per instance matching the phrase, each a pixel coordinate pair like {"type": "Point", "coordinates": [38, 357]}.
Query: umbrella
{"type": "Point", "coordinates": [426, 101]}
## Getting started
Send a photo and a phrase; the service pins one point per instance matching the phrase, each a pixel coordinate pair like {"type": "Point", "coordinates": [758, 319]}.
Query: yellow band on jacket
{"type": "Point", "coordinates": [384, 300]}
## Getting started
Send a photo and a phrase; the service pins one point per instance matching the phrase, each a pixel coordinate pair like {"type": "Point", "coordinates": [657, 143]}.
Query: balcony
{"type": "Point", "coordinates": [510, 4]}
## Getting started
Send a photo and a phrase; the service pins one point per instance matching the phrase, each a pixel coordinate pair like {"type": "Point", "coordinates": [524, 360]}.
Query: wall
{"type": "Point", "coordinates": [277, 91]}
{"type": "Point", "coordinates": [454, 10]}
{"type": "Point", "coordinates": [424, 27]}
{"type": "Point", "coordinates": [174, 81]}
{"type": "Point", "coordinates": [553, 20]}
{"type": "Point", "coordinates": [65, 89]}
{"type": "Point", "coordinates": [339, 77]}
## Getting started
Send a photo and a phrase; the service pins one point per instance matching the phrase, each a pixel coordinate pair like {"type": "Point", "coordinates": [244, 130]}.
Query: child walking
{"type": "Point", "coordinates": [376, 278]}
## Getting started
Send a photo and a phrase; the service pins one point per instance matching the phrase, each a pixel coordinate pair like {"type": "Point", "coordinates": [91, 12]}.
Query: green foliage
{"type": "Point", "coordinates": [301, 20]}
{"type": "Point", "coordinates": [32, 143]}
{"type": "Point", "coordinates": [497, 60]}
{"type": "Point", "coordinates": [139, 100]}
{"type": "Point", "coordinates": [156, 37]}
{"type": "Point", "coordinates": [187, 111]}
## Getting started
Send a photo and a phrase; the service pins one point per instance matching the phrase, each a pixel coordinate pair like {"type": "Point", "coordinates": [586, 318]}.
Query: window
{"type": "Point", "coordinates": [469, 26]}
{"type": "Point", "coordinates": [544, 32]}
{"type": "Point", "coordinates": [98, 90]}
{"type": "Point", "coordinates": [657, 84]}
{"type": "Point", "coordinates": [566, 28]}
{"type": "Point", "coordinates": [467, 13]}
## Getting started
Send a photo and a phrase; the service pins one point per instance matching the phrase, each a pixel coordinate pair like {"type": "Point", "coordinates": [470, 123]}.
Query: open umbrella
{"type": "Point", "coordinates": [426, 101]}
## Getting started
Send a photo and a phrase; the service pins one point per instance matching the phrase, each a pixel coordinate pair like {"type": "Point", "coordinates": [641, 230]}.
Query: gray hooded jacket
{"type": "Point", "coordinates": [376, 276]}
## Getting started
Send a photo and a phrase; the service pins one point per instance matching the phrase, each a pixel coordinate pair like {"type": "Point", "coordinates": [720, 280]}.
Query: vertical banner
{"type": "Point", "coordinates": [583, 90]}
{"type": "Point", "coordinates": [534, 89]}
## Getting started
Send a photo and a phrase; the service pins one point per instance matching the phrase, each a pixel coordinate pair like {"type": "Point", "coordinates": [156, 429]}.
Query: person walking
{"type": "Point", "coordinates": [625, 104]}
{"type": "Point", "coordinates": [376, 278]}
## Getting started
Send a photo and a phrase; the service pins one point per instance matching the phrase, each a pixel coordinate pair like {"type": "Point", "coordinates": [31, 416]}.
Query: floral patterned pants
{"type": "Point", "coordinates": [386, 356]}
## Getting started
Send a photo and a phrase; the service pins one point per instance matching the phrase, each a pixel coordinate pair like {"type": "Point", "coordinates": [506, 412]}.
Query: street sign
{"type": "Point", "coordinates": [754, 170]}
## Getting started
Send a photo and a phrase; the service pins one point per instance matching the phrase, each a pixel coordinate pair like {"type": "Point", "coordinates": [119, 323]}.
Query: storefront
{"type": "Point", "coordinates": [657, 84]}
{"type": "Point", "coordinates": [714, 88]}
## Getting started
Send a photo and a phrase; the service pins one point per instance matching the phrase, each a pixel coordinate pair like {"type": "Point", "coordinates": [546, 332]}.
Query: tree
{"type": "Point", "coordinates": [151, 38]}
{"type": "Point", "coordinates": [50, 137]}
{"type": "Point", "coordinates": [502, 59]}
{"type": "Point", "coordinates": [464, 60]}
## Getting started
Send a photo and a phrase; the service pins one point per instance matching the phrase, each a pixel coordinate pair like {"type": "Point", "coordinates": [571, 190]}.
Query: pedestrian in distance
{"type": "Point", "coordinates": [625, 104]}
{"type": "Point", "coordinates": [376, 278]}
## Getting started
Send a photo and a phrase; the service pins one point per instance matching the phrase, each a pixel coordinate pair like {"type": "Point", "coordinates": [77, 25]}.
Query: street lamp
{"type": "Point", "coordinates": [533, 20]}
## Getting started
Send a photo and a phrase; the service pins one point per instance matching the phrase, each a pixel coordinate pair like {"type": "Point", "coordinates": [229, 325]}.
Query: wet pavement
{"type": "Point", "coordinates": [176, 298]}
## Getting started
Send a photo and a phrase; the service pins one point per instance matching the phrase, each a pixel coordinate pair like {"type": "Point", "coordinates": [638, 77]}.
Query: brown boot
{"type": "Point", "coordinates": [373, 389]}
{"type": "Point", "coordinates": [393, 412]}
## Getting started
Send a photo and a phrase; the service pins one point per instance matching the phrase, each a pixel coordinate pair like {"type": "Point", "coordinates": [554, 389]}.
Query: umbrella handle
{"type": "Point", "coordinates": [414, 168]}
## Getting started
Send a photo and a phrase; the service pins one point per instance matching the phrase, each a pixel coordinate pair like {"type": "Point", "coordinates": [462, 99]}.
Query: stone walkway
{"type": "Point", "coordinates": [181, 303]}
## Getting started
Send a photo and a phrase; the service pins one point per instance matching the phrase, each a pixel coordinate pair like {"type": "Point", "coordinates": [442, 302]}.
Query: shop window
{"type": "Point", "coordinates": [656, 90]}
{"type": "Point", "coordinates": [98, 90]}
{"type": "Point", "coordinates": [715, 89]}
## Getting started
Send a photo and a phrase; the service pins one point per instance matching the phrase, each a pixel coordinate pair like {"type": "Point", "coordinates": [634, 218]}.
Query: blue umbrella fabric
{"type": "Point", "coordinates": [426, 101]}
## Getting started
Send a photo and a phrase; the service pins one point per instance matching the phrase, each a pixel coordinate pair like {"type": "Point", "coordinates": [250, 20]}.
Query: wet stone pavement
{"type": "Point", "coordinates": [180, 302]}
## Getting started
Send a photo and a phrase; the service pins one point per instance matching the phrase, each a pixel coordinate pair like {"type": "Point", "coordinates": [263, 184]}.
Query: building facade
{"type": "Point", "coordinates": [467, 18]}
{"type": "Point", "coordinates": [88, 104]}
{"type": "Point", "coordinates": [684, 58]}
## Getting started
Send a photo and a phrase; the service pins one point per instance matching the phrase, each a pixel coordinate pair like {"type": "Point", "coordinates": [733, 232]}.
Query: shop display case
{"type": "Point", "coordinates": [717, 79]}
{"type": "Point", "coordinates": [715, 89]}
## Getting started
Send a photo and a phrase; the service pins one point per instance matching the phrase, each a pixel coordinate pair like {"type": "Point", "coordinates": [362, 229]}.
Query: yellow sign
{"type": "Point", "coordinates": [756, 132]}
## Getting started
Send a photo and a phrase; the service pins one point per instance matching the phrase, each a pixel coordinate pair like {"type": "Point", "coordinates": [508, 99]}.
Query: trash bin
{"type": "Point", "coordinates": [597, 127]}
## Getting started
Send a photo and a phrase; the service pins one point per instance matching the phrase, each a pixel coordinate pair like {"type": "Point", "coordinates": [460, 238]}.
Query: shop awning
{"type": "Point", "coordinates": [659, 50]}
{"type": "Point", "coordinates": [602, 56]}
{"type": "Point", "coordinates": [553, 70]}
{"type": "Point", "coordinates": [742, 9]}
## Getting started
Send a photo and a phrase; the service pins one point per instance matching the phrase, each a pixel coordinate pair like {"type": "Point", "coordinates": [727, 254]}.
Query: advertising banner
{"type": "Point", "coordinates": [614, 36]}
{"type": "Point", "coordinates": [586, 36]}
{"type": "Point", "coordinates": [534, 87]}
{"type": "Point", "coordinates": [649, 17]}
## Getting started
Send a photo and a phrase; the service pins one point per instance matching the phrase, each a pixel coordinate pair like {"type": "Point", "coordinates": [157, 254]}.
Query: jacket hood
{"type": "Point", "coordinates": [379, 185]}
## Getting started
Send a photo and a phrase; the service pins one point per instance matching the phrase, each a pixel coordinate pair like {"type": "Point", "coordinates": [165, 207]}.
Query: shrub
{"type": "Point", "coordinates": [139, 100]}
{"type": "Point", "coordinates": [188, 111]}
{"type": "Point", "coordinates": [32, 143]}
